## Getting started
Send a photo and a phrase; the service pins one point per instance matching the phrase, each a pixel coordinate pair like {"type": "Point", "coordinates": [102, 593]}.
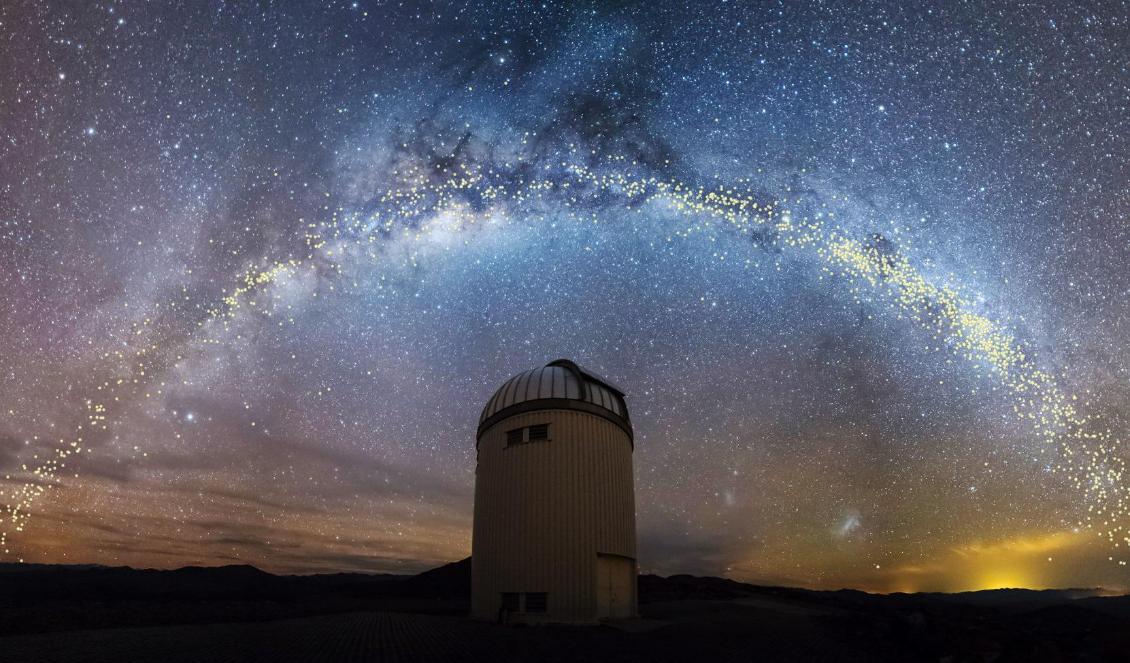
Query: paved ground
{"type": "Point", "coordinates": [761, 629]}
{"type": "Point", "coordinates": [388, 637]}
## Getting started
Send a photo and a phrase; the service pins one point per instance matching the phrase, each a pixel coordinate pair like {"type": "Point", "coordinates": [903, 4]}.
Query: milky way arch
{"type": "Point", "coordinates": [456, 198]}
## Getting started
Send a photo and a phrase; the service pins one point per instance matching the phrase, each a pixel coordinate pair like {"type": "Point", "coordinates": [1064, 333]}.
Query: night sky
{"type": "Point", "coordinates": [863, 272]}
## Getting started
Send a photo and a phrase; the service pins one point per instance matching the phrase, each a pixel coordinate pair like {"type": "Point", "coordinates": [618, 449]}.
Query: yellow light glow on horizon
{"type": "Point", "coordinates": [1020, 562]}
{"type": "Point", "coordinates": [1006, 578]}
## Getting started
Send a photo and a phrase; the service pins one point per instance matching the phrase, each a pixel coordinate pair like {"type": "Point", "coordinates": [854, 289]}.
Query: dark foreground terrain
{"type": "Point", "coordinates": [238, 613]}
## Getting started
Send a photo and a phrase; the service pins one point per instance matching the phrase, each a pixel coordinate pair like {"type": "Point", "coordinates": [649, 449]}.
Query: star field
{"type": "Point", "coordinates": [860, 269]}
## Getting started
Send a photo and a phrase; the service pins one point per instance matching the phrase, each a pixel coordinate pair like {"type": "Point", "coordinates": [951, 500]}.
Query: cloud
{"type": "Point", "coordinates": [1027, 560]}
{"type": "Point", "coordinates": [1022, 545]}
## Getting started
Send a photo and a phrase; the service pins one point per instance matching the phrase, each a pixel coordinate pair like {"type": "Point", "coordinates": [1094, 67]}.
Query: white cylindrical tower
{"type": "Point", "coordinates": [555, 520]}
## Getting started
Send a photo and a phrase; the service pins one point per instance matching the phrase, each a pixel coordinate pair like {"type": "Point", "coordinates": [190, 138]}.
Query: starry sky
{"type": "Point", "coordinates": [261, 265]}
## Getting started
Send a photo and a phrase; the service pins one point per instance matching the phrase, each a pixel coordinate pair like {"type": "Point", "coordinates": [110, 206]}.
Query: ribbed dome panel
{"type": "Point", "coordinates": [558, 380]}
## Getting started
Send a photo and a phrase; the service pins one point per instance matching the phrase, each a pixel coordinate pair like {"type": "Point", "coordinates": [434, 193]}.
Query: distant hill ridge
{"type": "Point", "coordinates": [40, 598]}
{"type": "Point", "coordinates": [449, 580]}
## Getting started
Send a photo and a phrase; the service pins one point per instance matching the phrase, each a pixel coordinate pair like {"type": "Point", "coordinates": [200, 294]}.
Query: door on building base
{"type": "Point", "coordinates": [615, 586]}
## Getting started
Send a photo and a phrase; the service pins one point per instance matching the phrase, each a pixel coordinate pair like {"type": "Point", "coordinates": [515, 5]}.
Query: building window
{"type": "Point", "coordinates": [535, 601]}
{"type": "Point", "coordinates": [510, 601]}
{"type": "Point", "coordinates": [536, 433]}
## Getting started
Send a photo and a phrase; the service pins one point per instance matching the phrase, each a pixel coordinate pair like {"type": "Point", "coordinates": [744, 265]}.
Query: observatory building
{"type": "Point", "coordinates": [555, 519]}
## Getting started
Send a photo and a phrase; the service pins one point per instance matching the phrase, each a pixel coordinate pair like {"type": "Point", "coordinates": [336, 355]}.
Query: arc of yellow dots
{"type": "Point", "coordinates": [1089, 458]}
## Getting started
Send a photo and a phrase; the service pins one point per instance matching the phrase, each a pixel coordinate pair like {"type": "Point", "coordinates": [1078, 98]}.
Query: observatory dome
{"type": "Point", "coordinates": [554, 537]}
{"type": "Point", "coordinates": [560, 384]}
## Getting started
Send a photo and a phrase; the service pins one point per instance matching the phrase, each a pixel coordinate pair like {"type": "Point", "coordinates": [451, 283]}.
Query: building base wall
{"type": "Point", "coordinates": [546, 514]}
